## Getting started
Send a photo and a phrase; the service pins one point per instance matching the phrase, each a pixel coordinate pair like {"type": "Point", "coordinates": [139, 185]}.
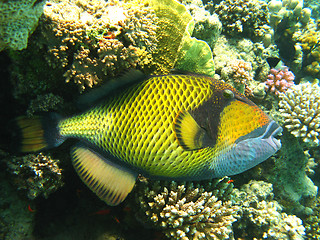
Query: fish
{"type": "Point", "coordinates": [180, 126]}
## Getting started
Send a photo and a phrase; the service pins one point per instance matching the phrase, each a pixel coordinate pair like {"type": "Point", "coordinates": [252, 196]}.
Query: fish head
{"type": "Point", "coordinates": [246, 135]}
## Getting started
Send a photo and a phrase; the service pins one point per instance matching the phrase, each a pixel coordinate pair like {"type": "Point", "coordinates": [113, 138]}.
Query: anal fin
{"type": "Point", "coordinates": [112, 183]}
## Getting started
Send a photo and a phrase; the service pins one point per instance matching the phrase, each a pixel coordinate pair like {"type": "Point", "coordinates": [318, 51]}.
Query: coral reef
{"type": "Point", "coordinates": [187, 210]}
{"type": "Point", "coordinates": [16, 222]}
{"type": "Point", "coordinates": [291, 10]}
{"type": "Point", "coordinates": [37, 174]}
{"type": "Point", "coordinates": [312, 223]}
{"type": "Point", "coordinates": [44, 103]}
{"type": "Point", "coordinates": [261, 217]}
{"type": "Point", "coordinates": [279, 80]}
{"type": "Point", "coordinates": [243, 17]}
{"type": "Point", "coordinates": [294, 189]}
{"type": "Point", "coordinates": [239, 74]}
{"type": "Point", "coordinates": [94, 40]}
{"type": "Point", "coordinates": [18, 19]}
{"type": "Point", "coordinates": [300, 107]}
{"type": "Point", "coordinates": [207, 26]}
{"type": "Point", "coordinates": [308, 39]}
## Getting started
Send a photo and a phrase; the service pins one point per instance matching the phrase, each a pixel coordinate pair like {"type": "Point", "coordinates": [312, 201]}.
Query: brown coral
{"type": "Point", "coordinates": [38, 174]}
{"type": "Point", "coordinates": [93, 40]}
{"type": "Point", "coordinates": [187, 210]}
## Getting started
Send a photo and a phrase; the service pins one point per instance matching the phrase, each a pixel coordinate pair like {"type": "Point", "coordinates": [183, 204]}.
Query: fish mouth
{"type": "Point", "coordinates": [272, 135]}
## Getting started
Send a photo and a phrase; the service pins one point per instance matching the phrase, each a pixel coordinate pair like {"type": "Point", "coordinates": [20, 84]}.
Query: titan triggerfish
{"type": "Point", "coordinates": [175, 127]}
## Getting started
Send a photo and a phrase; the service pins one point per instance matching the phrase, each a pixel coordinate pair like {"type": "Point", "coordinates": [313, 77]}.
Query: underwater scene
{"type": "Point", "coordinates": [159, 119]}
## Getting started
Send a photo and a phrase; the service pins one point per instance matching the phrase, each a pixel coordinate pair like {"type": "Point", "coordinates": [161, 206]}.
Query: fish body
{"type": "Point", "coordinates": [186, 127]}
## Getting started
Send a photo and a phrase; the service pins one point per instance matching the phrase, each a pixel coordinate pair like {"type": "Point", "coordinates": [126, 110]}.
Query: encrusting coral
{"type": "Point", "coordinates": [300, 107]}
{"type": "Point", "coordinates": [187, 210]}
{"type": "Point", "coordinates": [18, 19]}
{"type": "Point", "coordinates": [37, 174]}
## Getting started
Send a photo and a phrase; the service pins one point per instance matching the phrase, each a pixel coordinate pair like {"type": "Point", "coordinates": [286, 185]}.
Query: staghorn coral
{"type": "Point", "coordinates": [261, 217]}
{"type": "Point", "coordinates": [18, 19]}
{"type": "Point", "coordinates": [243, 17]}
{"type": "Point", "coordinates": [187, 210]}
{"type": "Point", "coordinates": [300, 107]}
{"type": "Point", "coordinates": [38, 174]}
{"type": "Point", "coordinates": [279, 80]}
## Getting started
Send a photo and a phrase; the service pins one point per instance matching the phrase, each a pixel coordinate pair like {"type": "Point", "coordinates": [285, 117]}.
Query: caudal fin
{"type": "Point", "coordinates": [37, 133]}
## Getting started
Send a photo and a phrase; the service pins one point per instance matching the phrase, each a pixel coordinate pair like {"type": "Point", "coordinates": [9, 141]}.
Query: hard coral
{"type": "Point", "coordinates": [38, 174]}
{"type": "Point", "coordinates": [93, 39]}
{"type": "Point", "coordinates": [279, 80]}
{"type": "Point", "coordinates": [187, 210]}
{"type": "Point", "coordinates": [238, 73]}
{"type": "Point", "coordinates": [309, 42]}
{"type": "Point", "coordinates": [18, 19]}
{"type": "Point", "coordinates": [300, 107]}
{"type": "Point", "coordinates": [262, 217]}
{"type": "Point", "coordinates": [243, 17]}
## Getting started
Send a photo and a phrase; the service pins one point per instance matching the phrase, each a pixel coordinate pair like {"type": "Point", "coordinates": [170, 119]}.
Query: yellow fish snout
{"type": "Point", "coordinates": [249, 150]}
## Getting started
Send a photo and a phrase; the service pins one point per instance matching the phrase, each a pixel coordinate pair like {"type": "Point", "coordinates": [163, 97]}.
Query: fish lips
{"type": "Point", "coordinates": [249, 150]}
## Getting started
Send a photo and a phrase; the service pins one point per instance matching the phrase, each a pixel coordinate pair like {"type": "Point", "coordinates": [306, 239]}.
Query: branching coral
{"type": "Point", "coordinates": [18, 19]}
{"type": "Point", "coordinates": [279, 80]}
{"type": "Point", "coordinates": [246, 17]}
{"type": "Point", "coordinates": [96, 39]}
{"type": "Point", "coordinates": [239, 73]}
{"type": "Point", "coordinates": [263, 215]}
{"type": "Point", "coordinates": [38, 174]}
{"type": "Point", "coordinates": [187, 210]}
{"type": "Point", "coordinates": [300, 107]}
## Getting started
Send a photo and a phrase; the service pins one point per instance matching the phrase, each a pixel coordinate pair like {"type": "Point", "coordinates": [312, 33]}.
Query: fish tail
{"type": "Point", "coordinates": [36, 133]}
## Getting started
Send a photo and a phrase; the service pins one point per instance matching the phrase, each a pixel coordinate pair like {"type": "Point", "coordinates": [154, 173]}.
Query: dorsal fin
{"type": "Point", "coordinates": [188, 133]}
{"type": "Point", "coordinates": [184, 72]}
{"type": "Point", "coordinates": [96, 95]}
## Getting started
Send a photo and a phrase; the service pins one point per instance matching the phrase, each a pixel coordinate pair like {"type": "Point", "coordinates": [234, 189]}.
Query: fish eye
{"type": "Point", "coordinates": [227, 93]}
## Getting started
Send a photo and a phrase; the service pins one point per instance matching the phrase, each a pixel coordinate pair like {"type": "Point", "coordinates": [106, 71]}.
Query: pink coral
{"type": "Point", "coordinates": [279, 80]}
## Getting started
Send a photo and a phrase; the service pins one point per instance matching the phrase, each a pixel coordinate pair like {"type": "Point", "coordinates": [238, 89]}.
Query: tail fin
{"type": "Point", "coordinates": [37, 133]}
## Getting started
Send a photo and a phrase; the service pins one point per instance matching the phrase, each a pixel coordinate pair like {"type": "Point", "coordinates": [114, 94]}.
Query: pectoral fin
{"type": "Point", "coordinates": [112, 183]}
{"type": "Point", "coordinates": [188, 133]}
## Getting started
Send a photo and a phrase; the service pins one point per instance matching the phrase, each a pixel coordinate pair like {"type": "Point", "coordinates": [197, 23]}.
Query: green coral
{"type": "Point", "coordinates": [195, 55]}
{"type": "Point", "coordinates": [18, 19]}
